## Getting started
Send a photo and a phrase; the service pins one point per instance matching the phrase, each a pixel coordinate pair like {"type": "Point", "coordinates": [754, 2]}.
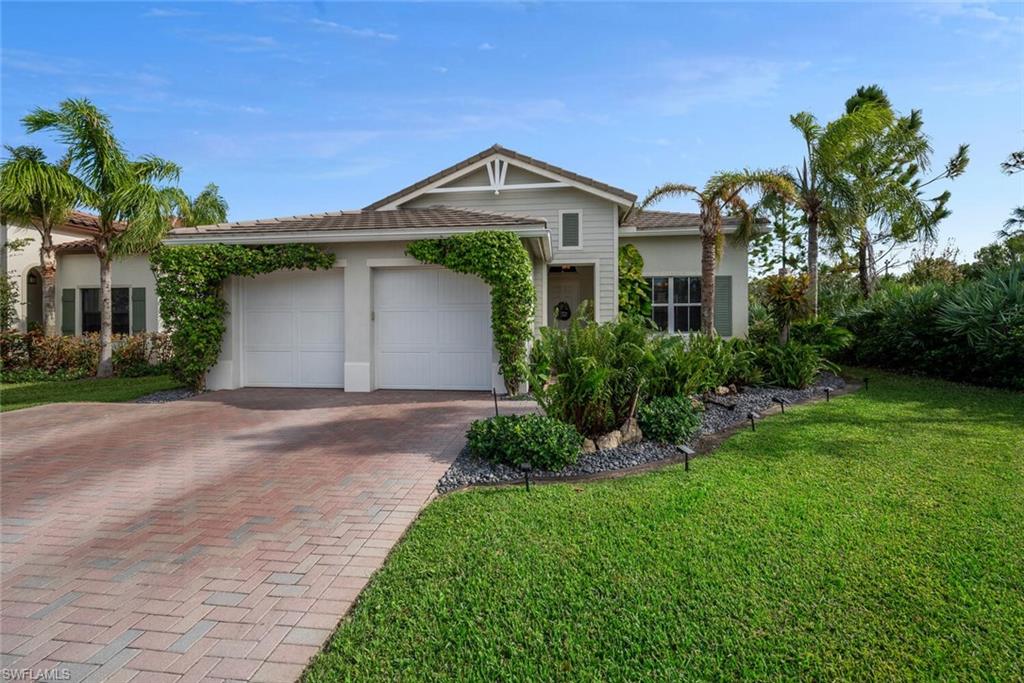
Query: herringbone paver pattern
{"type": "Point", "coordinates": [219, 538]}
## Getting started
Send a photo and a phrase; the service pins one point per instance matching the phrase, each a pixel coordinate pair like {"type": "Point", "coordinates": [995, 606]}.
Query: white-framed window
{"type": "Point", "coordinates": [570, 229]}
{"type": "Point", "coordinates": [675, 302]}
{"type": "Point", "coordinates": [120, 310]}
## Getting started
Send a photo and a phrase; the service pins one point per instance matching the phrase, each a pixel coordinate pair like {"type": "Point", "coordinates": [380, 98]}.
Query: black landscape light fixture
{"type": "Point", "coordinates": [782, 403]}
{"type": "Point", "coordinates": [866, 383]}
{"type": "Point", "coordinates": [828, 394]}
{"type": "Point", "coordinates": [687, 454]}
{"type": "Point", "coordinates": [494, 393]}
{"type": "Point", "coordinates": [752, 416]}
{"type": "Point", "coordinates": [526, 468]}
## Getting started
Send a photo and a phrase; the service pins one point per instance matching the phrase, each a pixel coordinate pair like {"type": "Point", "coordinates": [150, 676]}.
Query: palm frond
{"type": "Point", "coordinates": [667, 190]}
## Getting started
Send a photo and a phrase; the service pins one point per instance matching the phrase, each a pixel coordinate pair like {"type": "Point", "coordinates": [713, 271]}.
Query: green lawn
{"type": "Point", "coordinates": [113, 390]}
{"type": "Point", "coordinates": [879, 536]}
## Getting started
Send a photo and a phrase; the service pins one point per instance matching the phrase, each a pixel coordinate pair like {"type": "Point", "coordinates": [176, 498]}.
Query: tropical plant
{"type": "Point", "coordinates": [1004, 253]}
{"type": "Point", "coordinates": [542, 442]}
{"type": "Point", "coordinates": [786, 301]}
{"type": "Point", "coordinates": [794, 366]}
{"type": "Point", "coordinates": [723, 194]}
{"type": "Point", "coordinates": [206, 208]}
{"type": "Point", "coordinates": [1014, 225]}
{"type": "Point", "coordinates": [133, 202]}
{"type": "Point", "coordinates": [829, 150]}
{"type": "Point", "coordinates": [823, 334]}
{"type": "Point", "coordinates": [634, 292]}
{"type": "Point", "coordinates": [8, 301]}
{"type": "Point", "coordinates": [883, 185]}
{"type": "Point", "coordinates": [698, 364]}
{"type": "Point", "coordinates": [782, 247]}
{"type": "Point", "coordinates": [34, 192]}
{"type": "Point", "coordinates": [669, 419]}
{"type": "Point", "coordinates": [499, 258]}
{"type": "Point", "coordinates": [591, 375]}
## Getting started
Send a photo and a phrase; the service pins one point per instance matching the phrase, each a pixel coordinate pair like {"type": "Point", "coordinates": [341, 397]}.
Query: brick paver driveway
{"type": "Point", "coordinates": [216, 538]}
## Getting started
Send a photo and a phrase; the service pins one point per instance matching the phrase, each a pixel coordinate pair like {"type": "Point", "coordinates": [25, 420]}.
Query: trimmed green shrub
{"type": "Point", "coordinates": [823, 334]}
{"type": "Point", "coordinates": [33, 357]}
{"type": "Point", "coordinates": [542, 442]}
{"type": "Point", "coordinates": [669, 419]}
{"type": "Point", "coordinates": [501, 260]}
{"type": "Point", "coordinates": [139, 355]}
{"type": "Point", "coordinates": [591, 375]}
{"type": "Point", "coordinates": [794, 366]}
{"type": "Point", "coordinates": [634, 292]}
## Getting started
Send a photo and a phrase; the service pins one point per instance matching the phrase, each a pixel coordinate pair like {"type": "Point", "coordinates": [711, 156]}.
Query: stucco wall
{"type": "Point", "coordinates": [82, 271]}
{"type": "Point", "coordinates": [680, 255]}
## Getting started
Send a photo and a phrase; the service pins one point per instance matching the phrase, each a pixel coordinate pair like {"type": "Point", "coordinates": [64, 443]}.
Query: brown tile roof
{"type": "Point", "coordinates": [75, 247]}
{"type": "Point", "coordinates": [512, 154]}
{"type": "Point", "coordinates": [80, 221]}
{"type": "Point", "coordinates": [440, 218]}
{"type": "Point", "coordinates": [666, 220]}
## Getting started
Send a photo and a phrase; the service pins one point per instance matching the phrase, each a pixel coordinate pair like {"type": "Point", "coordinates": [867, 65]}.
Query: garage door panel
{"type": "Point", "coordinates": [406, 370]}
{"type": "Point", "coordinates": [269, 329]}
{"type": "Point", "coordinates": [467, 329]}
{"type": "Point", "coordinates": [405, 329]}
{"type": "Point", "coordinates": [432, 330]}
{"type": "Point", "coordinates": [293, 329]}
{"type": "Point", "coordinates": [320, 368]}
{"type": "Point", "coordinates": [325, 329]}
{"type": "Point", "coordinates": [268, 368]}
{"type": "Point", "coordinates": [464, 370]}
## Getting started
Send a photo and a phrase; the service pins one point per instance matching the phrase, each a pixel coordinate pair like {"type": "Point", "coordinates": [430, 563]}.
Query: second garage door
{"type": "Point", "coordinates": [293, 332]}
{"type": "Point", "coordinates": [433, 330]}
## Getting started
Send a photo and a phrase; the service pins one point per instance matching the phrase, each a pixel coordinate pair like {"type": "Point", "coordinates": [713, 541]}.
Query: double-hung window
{"type": "Point", "coordinates": [675, 302]}
{"type": "Point", "coordinates": [120, 310]}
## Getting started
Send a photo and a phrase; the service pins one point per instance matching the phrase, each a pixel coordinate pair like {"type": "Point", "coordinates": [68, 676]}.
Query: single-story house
{"type": "Point", "coordinates": [134, 299]}
{"type": "Point", "coordinates": [381, 319]}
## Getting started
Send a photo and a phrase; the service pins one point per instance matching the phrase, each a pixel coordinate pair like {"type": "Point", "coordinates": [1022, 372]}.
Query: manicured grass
{"type": "Point", "coordinates": [879, 536]}
{"type": "Point", "coordinates": [112, 390]}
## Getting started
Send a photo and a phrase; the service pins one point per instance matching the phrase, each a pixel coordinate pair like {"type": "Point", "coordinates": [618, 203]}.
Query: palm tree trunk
{"type": "Point", "coordinates": [48, 269]}
{"type": "Point", "coordinates": [707, 282]}
{"type": "Point", "coordinates": [106, 364]}
{"type": "Point", "coordinates": [812, 261]}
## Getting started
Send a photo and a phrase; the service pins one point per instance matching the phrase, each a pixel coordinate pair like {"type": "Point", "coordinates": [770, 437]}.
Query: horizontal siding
{"type": "Point", "coordinates": [598, 228]}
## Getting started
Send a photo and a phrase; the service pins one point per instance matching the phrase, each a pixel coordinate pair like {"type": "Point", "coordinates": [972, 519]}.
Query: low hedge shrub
{"type": "Point", "coordinates": [33, 357]}
{"type": "Point", "coordinates": [669, 419]}
{"type": "Point", "coordinates": [543, 442]}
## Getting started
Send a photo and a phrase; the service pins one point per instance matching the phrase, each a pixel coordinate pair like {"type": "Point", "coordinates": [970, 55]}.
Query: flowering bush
{"type": "Point", "coordinates": [34, 357]}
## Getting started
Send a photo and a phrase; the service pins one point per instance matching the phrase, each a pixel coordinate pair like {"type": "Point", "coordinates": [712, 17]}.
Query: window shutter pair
{"type": "Point", "coordinates": [67, 311]}
{"type": "Point", "coordinates": [723, 305]}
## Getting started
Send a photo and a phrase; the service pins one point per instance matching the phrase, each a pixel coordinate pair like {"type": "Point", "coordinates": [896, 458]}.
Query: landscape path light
{"type": "Point", "coordinates": [526, 468]}
{"type": "Point", "coordinates": [687, 454]}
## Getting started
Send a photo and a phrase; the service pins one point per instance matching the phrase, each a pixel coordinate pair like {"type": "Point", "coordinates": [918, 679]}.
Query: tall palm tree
{"type": "Point", "coordinates": [829, 150]}
{"type": "Point", "coordinates": [206, 208]}
{"type": "Point", "coordinates": [722, 193]}
{"type": "Point", "coordinates": [130, 195]}
{"type": "Point", "coordinates": [37, 193]}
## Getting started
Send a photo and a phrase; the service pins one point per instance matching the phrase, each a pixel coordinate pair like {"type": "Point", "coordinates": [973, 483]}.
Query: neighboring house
{"type": "Point", "coordinates": [381, 319]}
{"type": "Point", "coordinates": [78, 279]}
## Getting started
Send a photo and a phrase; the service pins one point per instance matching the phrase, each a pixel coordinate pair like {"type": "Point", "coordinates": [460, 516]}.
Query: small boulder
{"type": "Point", "coordinates": [722, 391]}
{"type": "Point", "coordinates": [732, 389]}
{"type": "Point", "coordinates": [630, 431]}
{"type": "Point", "coordinates": [612, 439]}
{"type": "Point", "coordinates": [589, 446]}
{"type": "Point", "coordinates": [696, 403]}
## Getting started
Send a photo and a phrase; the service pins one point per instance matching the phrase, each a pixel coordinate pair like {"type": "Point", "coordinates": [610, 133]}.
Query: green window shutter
{"type": "Point", "coordinates": [570, 230]}
{"type": "Point", "coordinates": [138, 310]}
{"type": "Point", "coordinates": [67, 311]}
{"type": "Point", "coordinates": [723, 305]}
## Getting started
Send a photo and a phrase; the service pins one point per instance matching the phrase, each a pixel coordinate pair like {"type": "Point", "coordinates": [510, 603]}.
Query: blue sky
{"type": "Point", "coordinates": [298, 108]}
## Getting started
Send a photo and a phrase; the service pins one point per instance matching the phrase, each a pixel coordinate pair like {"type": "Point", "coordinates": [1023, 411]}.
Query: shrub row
{"type": "Point", "coordinates": [968, 332]}
{"type": "Point", "coordinates": [537, 440]}
{"type": "Point", "coordinates": [34, 357]}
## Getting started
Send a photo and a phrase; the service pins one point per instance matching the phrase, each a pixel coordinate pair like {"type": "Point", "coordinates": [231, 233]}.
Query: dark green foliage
{"type": "Point", "coordinates": [8, 301]}
{"type": "Point", "coordinates": [188, 283]}
{"type": "Point", "coordinates": [634, 293]}
{"type": "Point", "coordinates": [700, 363]}
{"type": "Point", "coordinates": [33, 357]}
{"type": "Point", "coordinates": [879, 537]}
{"type": "Point", "coordinates": [591, 375]}
{"type": "Point", "coordinates": [823, 334]}
{"type": "Point", "coordinates": [499, 258]}
{"type": "Point", "coordinates": [794, 366]}
{"type": "Point", "coordinates": [971, 332]}
{"type": "Point", "coordinates": [542, 442]}
{"type": "Point", "coordinates": [669, 419]}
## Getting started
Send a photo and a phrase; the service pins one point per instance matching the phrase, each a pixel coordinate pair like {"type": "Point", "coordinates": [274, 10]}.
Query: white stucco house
{"type": "Point", "coordinates": [381, 319]}
{"type": "Point", "coordinates": [78, 279]}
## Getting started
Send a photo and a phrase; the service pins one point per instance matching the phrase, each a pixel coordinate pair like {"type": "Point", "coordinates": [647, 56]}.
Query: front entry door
{"type": "Point", "coordinates": [563, 300]}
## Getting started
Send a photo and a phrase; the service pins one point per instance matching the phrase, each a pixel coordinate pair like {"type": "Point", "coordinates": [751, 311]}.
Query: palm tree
{"type": "Point", "coordinates": [37, 193]}
{"type": "Point", "coordinates": [206, 208]}
{"type": "Point", "coordinates": [828, 151]}
{"type": "Point", "coordinates": [133, 204]}
{"type": "Point", "coordinates": [722, 193]}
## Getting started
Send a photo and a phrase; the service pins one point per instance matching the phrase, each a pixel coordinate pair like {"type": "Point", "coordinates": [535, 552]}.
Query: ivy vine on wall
{"type": "Point", "coordinates": [634, 296]}
{"type": "Point", "coordinates": [499, 258]}
{"type": "Point", "coordinates": [188, 282]}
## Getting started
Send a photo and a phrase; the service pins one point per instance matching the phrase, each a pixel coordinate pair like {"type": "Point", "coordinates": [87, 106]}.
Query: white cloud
{"type": "Point", "coordinates": [976, 20]}
{"type": "Point", "coordinates": [240, 42]}
{"type": "Point", "coordinates": [440, 69]}
{"type": "Point", "coordinates": [676, 86]}
{"type": "Point", "coordinates": [335, 27]}
{"type": "Point", "coordinates": [170, 12]}
{"type": "Point", "coordinates": [485, 46]}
